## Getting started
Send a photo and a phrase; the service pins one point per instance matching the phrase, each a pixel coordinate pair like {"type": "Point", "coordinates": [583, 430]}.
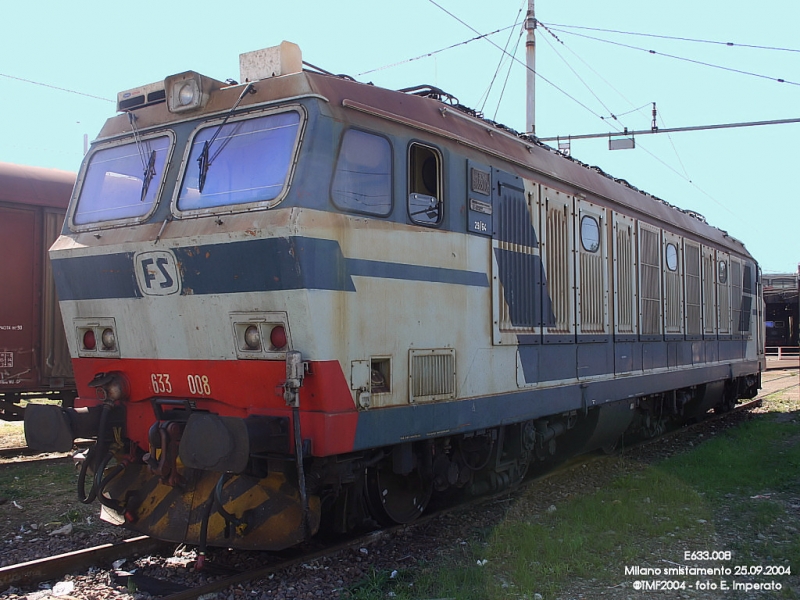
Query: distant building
{"type": "Point", "coordinates": [782, 309]}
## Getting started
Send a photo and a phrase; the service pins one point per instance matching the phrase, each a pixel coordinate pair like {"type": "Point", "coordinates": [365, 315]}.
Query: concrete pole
{"type": "Point", "coordinates": [530, 62]}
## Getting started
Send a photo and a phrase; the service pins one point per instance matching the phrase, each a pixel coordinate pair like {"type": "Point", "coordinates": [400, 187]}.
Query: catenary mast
{"type": "Point", "coordinates": [530, 62]}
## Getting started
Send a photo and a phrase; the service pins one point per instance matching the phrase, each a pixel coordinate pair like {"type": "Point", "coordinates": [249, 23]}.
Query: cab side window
{"type": "Point", "coordinates": [363, 178]}
{"type": "Point", "coordinates": [425, 206]}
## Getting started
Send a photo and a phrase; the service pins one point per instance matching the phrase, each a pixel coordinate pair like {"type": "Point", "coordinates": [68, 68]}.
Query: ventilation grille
{"type": "Point", "coordinates": [519, 266]}
{"type": "Point", "coordinates": [592, 290]}
{"type": "Point", "coordinates": [736, 295]}
{"type": "Point", "coordinates": [709, 312]}
{"type": "Point", "coordinates": [724, 300]}
{"type": "Point", "coordinates": [141, 96]}
{"type": "Point", "coordinates": [747, 300]}
{"type": "Point", "coordinates": [558, 280]}
{"type": "Point", "coordinates": [625, 281]}
{"type": "Point", "coordinates": [672, 301]}
{"type": "Point", "coordinates": [432, 375]}
{"type": "Point", "coordinates": [650, 282]}
{"type": "Point", "coordinates": [694, 307]}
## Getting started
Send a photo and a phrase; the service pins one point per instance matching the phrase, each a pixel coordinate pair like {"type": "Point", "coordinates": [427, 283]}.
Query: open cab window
{"type": "Point", "coordinates": [122, 181]}
{"type": "Point", "coordinates": [242, 161]}
{"type": "Point", "coordinates": [425, 206]}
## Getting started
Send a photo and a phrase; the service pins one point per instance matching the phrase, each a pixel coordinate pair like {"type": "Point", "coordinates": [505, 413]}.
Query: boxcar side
{"type": "Point", "coordinates": [34, 358]}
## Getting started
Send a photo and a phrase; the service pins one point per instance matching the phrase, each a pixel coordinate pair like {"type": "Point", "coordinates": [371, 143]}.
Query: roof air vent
{"type": "Point", "coordinates": [271, 62]}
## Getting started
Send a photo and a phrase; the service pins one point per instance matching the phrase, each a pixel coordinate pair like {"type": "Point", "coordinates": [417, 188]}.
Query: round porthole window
{"type": "Point", "coordinates": [723, 272]}
{"type": "Point", "coordinates": [672, 257]}
{"type": "Point", "coordinates": [590, 234]}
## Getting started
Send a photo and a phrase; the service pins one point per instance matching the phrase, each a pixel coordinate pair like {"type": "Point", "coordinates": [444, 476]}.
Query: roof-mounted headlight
{"type": "Point", "coordinates": [189, 91]}
{"type": "Point", "coordinates": [187, 95]}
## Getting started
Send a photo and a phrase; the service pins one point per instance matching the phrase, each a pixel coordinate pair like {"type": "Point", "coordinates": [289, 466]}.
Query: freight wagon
{"type": "Point", "coordinates": [34, 358]}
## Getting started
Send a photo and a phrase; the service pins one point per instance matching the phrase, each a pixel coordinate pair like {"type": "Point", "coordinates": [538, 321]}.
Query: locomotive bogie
{"type": "Point", "coordinates": [323, 303]}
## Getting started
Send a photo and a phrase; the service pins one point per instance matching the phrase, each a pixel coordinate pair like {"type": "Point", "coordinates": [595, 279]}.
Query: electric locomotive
{"type": "Point", "coordinates": [301, 301]}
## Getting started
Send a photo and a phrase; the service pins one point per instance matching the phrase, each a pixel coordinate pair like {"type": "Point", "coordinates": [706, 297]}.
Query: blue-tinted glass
{"type": "Point", "coordinates": [248, 162]}
{"type": "Point", "coordinates": [363, 178]}
{"type": "Point", "coordinates": [114, 181]}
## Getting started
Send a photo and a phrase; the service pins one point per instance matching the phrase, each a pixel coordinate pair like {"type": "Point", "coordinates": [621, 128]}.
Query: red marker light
{"type": "Point", "coordinates": [89, 343]}
{"type": "Point", "coordinates": [277, 337]}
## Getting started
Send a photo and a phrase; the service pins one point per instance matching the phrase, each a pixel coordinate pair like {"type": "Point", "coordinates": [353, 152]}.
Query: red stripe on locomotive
{"type": "Point", "coordinates": [232, 388]}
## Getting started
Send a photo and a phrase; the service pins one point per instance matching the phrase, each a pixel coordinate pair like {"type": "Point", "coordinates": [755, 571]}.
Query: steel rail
{"type": "Point", "coordinates": [55, 567]}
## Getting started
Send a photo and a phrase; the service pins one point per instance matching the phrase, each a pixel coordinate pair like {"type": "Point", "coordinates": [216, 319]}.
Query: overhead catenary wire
{"type": "Point", "coordinates": [676, 57]}
{"type": "Point", "coordinates": [539, 75]}
{"type": "Point", "coordinates": [598, 75]}
{"type": "Point", "coordinates": [678, 38]}
{"type": "Point", "coordinates": [574, 72]}
{"type": "Point", "coordinates": [685, 176]}
{"type": "Point", "coordinates": [505, 82]}
{"type": "Point", "coordinates": [433, 52]}
{"type": "Point", "coordinates": [689, 181]}
{"type": "Point", "coordinates": [55, 87]}
{"type": "Point", "coordinates": [588, 109]}
{"type": "Point", "coordinates": [674, 148]}
{"type": "Point", "coordinates": [485, 95]}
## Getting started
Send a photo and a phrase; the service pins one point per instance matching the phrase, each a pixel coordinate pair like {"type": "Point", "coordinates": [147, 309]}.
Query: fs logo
{"type": "Point", "coordinates": [157, 273]}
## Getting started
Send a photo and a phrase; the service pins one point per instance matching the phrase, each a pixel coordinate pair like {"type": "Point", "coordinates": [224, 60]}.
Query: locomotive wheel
{"type": "Point", "coordinates": [394, 498]}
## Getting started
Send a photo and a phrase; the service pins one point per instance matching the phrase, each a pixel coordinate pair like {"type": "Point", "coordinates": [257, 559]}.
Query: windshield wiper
{"type": "Point", "coordinates": [149, 173]}
{"type": "Point", "coordinates": [204, 161]}
{"type": "Point", "coordinates": [149, 166]}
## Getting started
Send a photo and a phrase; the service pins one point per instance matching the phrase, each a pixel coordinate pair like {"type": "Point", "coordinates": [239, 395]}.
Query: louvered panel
{"type": "Point", "coordinates": [672, 299]}
{"type": "Point", "coordinates": [736, 295]}
{"type": "Point", "coordinates": [558, 255]}
{"type": "Point", "coordinates": [432, 375]}
{"type": "Point", "coordinates": [519, 268]}
{"type": "Point", "coordinates": [592, 293]}
{"type": "Point", "coordinates": [520, 311]}
{"type": "Point", "coordinates": [673, 284]}
{"type": "Point", "coordinates": [709, 297]}
{"type": "Point", "coordinates": [724, 296]}
{"type": "Point", "coordinates": [694, 313]}
{"type": "Point", "coordinates": [650, 282]}
{"type": "Point", "coordinates": [747, 301]}
{"type": "Point", "coordinates": [724, 309]}
{"type": "Point", "coordinates": [625, 280]}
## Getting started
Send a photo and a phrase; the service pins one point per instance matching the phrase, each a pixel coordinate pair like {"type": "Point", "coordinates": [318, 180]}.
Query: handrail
{"type": "Point", "coordinates": [781, 352]}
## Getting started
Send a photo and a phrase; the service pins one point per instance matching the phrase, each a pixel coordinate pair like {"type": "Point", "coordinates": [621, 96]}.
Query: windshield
{"type": "Point", "coordinates": [249, 161]}
{"type": "Point", "coordinates": [122, 181]}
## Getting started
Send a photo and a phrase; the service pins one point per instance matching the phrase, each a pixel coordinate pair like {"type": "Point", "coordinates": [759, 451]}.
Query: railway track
{"type": "Point", "coordinates": [781, 381]}
{"type": "Point", "coordinates": [53, 568]}
{"type": "Point", "coordinates": [47, 569]}
{"type": "Point", "coordinates": [575, 463]}
{"type": "Point", "coordinates": [25, 454]}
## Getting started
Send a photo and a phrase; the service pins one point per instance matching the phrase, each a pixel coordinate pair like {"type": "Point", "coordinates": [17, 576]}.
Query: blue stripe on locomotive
{"type": "Point", "coordinates": [408, 423]}
{"type": "Point", "coordinates": [253, 266]}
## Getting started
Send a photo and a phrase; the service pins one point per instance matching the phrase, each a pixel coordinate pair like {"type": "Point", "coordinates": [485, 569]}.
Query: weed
{"type": "Point", "coordinates": [729, 493]}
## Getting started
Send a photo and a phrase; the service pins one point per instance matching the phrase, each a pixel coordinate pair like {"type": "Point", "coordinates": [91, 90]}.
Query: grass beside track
{"type": "Point", "coordinates": [11, 434]}
{"type": "Point", "coordinates": [41, 497]}
{"type": "Point", "coordinates": [736, 493]}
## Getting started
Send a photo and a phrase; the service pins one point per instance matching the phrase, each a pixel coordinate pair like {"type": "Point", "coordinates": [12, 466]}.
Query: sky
{"type": "Point", "coordinates": [63, 63]}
